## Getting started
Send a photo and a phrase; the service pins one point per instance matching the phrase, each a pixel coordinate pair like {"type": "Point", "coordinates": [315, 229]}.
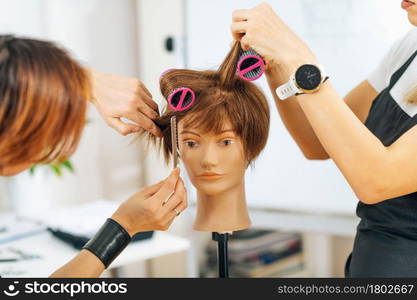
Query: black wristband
{"type": "Point", "coordinates": [108, 242]}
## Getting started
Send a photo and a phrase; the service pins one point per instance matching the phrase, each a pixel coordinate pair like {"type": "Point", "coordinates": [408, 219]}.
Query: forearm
{"type": "Point", "coordinates": [85, 264]}
{"type": "Point", "coordinates": [295, 120]}
{"type": "Point", "coordinates": [360, 156]}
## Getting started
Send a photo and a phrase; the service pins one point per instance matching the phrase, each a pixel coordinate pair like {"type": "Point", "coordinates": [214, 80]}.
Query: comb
{"type": "Point", "coordinates": [174, 141]}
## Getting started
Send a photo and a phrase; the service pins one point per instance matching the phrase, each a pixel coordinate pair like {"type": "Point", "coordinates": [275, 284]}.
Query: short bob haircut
{"type": "Point", "coordinates": [220, 96]}
{"type": "Point", "coordinates": [43, 100]}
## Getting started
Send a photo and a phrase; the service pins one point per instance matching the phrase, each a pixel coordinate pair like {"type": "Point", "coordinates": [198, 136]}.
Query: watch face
{"type": "Point", "coordinates": [308, 77]}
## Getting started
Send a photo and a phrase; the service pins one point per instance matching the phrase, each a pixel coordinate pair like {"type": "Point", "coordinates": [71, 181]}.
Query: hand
{"type": "Point", "coordinates": [262, 30]}
{"type": "Point", "coordinates": [117, 96]}
{"type": "Point", "coordinates": [154, 207]}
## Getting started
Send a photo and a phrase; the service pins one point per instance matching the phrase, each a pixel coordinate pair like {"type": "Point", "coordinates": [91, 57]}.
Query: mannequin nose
{"type": "Point", "coordinates": [210, 157]}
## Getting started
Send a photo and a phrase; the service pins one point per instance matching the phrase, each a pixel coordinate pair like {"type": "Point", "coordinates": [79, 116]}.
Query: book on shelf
{"type": "Point", "coordinates": [260, 253]}
{"type": "Point", "coordinates": [293, 263]}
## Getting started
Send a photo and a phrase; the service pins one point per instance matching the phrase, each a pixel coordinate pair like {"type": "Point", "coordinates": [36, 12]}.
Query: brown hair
{"type": "Point", "coordinates": [43, 100]}
{"type": "Point", "coordinates": [220, 96]}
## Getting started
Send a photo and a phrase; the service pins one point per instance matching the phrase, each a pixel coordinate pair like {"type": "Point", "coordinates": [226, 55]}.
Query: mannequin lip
{"type": "Point", "coordinates": [210, 175]}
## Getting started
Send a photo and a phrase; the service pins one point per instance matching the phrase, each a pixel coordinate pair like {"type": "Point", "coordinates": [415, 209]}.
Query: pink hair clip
{"type": "Point", "coordinates": [251, 66]}
{"type": "Point", "coordinates": [181, 98]}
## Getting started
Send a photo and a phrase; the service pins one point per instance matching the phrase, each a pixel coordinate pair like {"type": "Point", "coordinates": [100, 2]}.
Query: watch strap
{"type": "Point", "coordinates": [287, 90]}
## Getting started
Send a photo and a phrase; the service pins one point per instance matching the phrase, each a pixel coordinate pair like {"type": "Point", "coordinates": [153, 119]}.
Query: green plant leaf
{"type": "Point", "coordinates": [56, 169]}
{"type": "Point", "coordinates": [32, 170]}
{"type": "Point", "coordinates": [67, 164]}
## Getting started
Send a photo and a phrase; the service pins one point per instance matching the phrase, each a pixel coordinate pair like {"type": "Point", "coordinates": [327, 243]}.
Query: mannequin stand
{"type": "Point", "coordinates": [222, 258]}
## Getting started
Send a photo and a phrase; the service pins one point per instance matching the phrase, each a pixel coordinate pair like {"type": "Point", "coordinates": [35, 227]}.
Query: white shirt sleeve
{"type": "Point", "coordinates": [379, 78]}
{"type": "Point", "coordinates": [397, 55]}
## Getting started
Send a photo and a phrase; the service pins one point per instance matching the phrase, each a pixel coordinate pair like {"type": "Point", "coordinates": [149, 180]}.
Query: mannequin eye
{"type": "Point", "coordinates": [227, 142]}
{"type": "Point", "coordinates": [190, 144]}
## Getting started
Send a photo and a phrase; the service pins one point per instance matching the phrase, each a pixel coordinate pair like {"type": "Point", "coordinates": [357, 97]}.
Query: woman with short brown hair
{"type": "Point", "coordinates": [43, 99]}
{"type": "Point", "coordinates": [39, 122]}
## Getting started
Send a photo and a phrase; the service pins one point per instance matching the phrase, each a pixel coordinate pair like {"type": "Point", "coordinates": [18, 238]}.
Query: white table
{"type": "Point", "coordinates": [54, 253]}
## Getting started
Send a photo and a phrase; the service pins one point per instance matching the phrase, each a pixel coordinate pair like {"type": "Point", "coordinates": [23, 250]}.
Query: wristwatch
{"type": "Point", "coordinates": [306, 80]}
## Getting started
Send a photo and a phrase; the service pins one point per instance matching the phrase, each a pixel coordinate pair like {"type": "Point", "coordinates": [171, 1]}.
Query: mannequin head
{"type": "Point", "coordinates": [219, 135]}
{"type": "Point", "coordinates": [221, 97]}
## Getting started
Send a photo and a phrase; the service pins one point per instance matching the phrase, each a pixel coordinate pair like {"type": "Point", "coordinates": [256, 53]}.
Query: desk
{"type": "Point", "coordinates": [54, 253]}
{"type": "Point", "coordinates": [304, 221]}
{"type": "Point", "coordinates": [78, 219]}
{"type": "Point", "coordinates": [319, 228]}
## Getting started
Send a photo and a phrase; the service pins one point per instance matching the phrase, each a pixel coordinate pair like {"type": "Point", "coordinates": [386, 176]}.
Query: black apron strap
{"type": "Point", "coordinates": [397, 74]}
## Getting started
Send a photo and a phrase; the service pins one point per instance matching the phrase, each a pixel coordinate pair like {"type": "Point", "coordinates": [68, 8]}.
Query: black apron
{"type": "Point", "coordinates": [386, 239]}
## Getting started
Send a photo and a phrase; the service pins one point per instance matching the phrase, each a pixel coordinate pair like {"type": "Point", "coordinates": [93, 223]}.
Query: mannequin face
{"type": "Point", "coordinates": [214, 162]}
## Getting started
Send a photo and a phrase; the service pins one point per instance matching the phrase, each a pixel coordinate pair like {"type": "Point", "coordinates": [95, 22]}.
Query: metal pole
{"type": "Point", "coordinates": [222, 258]}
